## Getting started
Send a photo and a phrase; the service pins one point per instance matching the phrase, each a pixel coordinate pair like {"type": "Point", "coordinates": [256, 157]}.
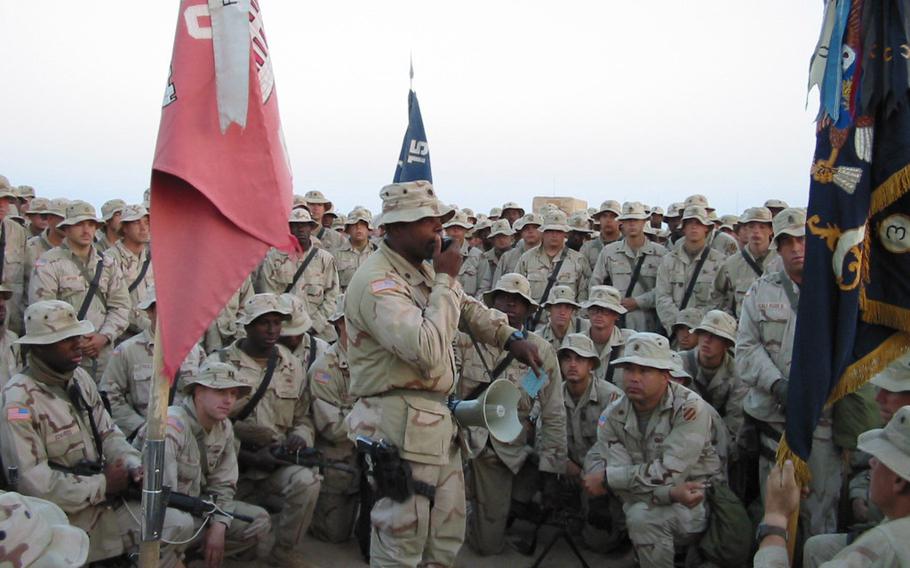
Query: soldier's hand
{"type": "Point", "coordinates": [117, 477]}
{"type": "Point", "coordinates": [214, 545]}
{"type": "Point", "coordinates": [779, 390]}
{"type": "Point", "coordinates": [629, 304]}
{"type": "Point", "coordinates": [594, 483]}
{"type": "Point", "coordinates": [781, 494]}
{"type": "Point", "coordinates": [688, 493]}
{"type": "Point", "coordinates": [92, 344]}
{"type": "Point", "coordinates": [295, 443]}
{"type": "Point", "coordinates": [447, 261]}
{"type": "Point", "coordinates": [526, 352]}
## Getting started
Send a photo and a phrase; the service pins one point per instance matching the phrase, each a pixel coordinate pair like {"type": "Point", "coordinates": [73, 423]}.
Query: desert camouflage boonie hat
{"type": "Point", "coordinates": [36, 533]}
{"type": "Point", "coordinates": [411, 201]}
{"type": "Point", "coordinates": [50, 321]}
{"type": "Point", "coordinates": [698, 213]}
{"type": "Point", "coordinates": [756, 215]}
{"type": "Point", "coordinates": [689, 317]}
{"type": "Point", "coordinates": [679, 371]}
{"type": "Point", "coordinates": [339, 222]}
{"type": "Point", "coordinates": [675, 210]}
{"type": "Point", "coordinates": [300, 321]}
{"type": "Point", "coordinates": [14, 214]}
{"type": "Point", "coordinates": [604, 296]}
{"type": "Point", "coordinates": [528, 219]}
{"type": "Point", "coordinates": [896, 376]}
{"type": "Point", "coordinates": [460, 219]}
{"type": "Point", "coordinates": [78, 211]}
{"type": "Point", "coordinates": [719, 323]}
{"type": "Point", "coordinates": [38, 206]}
{"type": "Point", "coordinates": [495, 212]}
{"type": "Point", "coordinates": [316, 197]}
{"type": "Point", "coordinates": [512, 205]}
{"type": "Point", "coordinates": [301, 216]}
{"type": "Point", "coordinates": [712, 216]}
{"type": "Point", "coordinates": [501, 227]}
{"type": "Point", "coordinates": [110, 208]}
{"type": "Point", "coordinates": [890, 445]}
{"type": "Point", "coordinates": [25, 192]}
{"type": "Point", "coordinates": [657, 210]}
{"type": "Point", "coordinates": [581, 345]}
{"type": "Point", "coordinates": [133, 213]}
{"type": "Point", "coordinates": [555, 221]}
{"type": "Point", "coordinates": [633, 210]}
{"type": "Point", "coordinates": [561, 295]}
{"type": "Point", "coordinates": [579, 223]}
{"type": "Point", "coordinates": [697, 200]}
{"type": "Point", "coordinates": [299, 201]}
{"type": "Point", "coordinates": [648, 350]}
{"type": "Point", "coordinates": [58, 207]}
{"type": "Point", "coordinates": [261, 304]}
{"type": "Point", "coordinates": [791, 221]}
{"type": "Point", "coordinates": [511, 283]}
{"type": "Point", "coordinates": [609, 206]}
{"type": "Point", "coordinates": [729, 222]}
{"type": "Point", "coordinates": [219, 376]}
{"type": "Point", "coordinates": [7, 190]}
{"type": "Point", "coordinates": [776, 204]}
{"type": "Point", "coordinates": [357, 215]}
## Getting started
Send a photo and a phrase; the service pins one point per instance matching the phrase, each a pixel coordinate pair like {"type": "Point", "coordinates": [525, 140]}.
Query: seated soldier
{"type": "Point", "coordinates": [721, 439]}
{"type": "Point", "coordinates": [295, 335]}
{"type": "Point", "coordinates": [604, 309]}
{"type": "Point", "coordinates": [67, 450]}
{"type": "Point", "coordinates": [275, 417]}
{"type": "Point", "coordinates": [682, 335]}
{"type": "Point", "coordinates": [200, 460]}
{"type": "Point", "coordinates": [654, 452]}
{"type": "Point", "coordinates": [127, 379]}
{"type": "Point", "coordinates": [330, 380]}
{"type": "Point", "coordinates": [500, 474]}
{"type": "Point", "coordinates": [10, 356]}
{"type": "Point", "coordinates": [585, 398]}
{"type": "Point", "coordinates": [563, 311]}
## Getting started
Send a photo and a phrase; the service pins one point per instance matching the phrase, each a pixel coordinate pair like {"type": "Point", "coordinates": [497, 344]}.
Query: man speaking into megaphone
{"type": "Point", "coordinates": [502, 476]}
{"type": "Point", "coordinates": [402, 313]}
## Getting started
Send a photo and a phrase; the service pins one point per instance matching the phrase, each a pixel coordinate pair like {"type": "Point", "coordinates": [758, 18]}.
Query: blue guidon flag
{"type": "Point", "coordinates": [414, 159]}
{"type": "Point", "coordinates": [854, 309]}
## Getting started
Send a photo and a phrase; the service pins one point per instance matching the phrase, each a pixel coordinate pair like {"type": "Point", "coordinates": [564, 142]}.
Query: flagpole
{"type": "Point", "coordinates": [153, 460]}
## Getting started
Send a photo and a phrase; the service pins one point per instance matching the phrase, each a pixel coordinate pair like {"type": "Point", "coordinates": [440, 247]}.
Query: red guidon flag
{"type": "Point", "coordinates": [221, 184]}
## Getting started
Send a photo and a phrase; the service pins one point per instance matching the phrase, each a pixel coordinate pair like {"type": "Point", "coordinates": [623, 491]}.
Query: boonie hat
{"type": "Point", "coordinates": [301, 216]}
{"type": "Point", "coordinates": [217, 375]}
{"type": "Point", "coordinates": [719, 323]}
{"type": "Point", "coordinates": [678, 371]}
{"type": "Point", "coordinates": [689, 317]}
{"type": "Point", "coordinates": [36, 533]}
{"type": "Point", "coordinates": [675, 210]}
{"type": "Point", "coordinates": [495, 212]}
{"type": "Point", "coordinates": [26, 192]}
{"type": "Point", "coordinates": [555, 221]}
{"type": "Point", "coordinates": [300, 321]}
{"type": "Point", "coordinates": [318, 198]}
{"type": "Point", "coordinates": [648, 350]}
{"type": "Point", "coordinates": [50, 321]}
{"type": "Point", "coordinates": [110, 208]}
{"type": "Point", "coordinates": [561, 295]}
{"type": "Point", "coordinates": [6, 292]}
{"type": "Point", "coordinates": [756, 215]}
{"type": "Point", "coordinates": [579, 223]}
{"type": "Point", "coordinates": [260, 304]}
{"type": "Point", "coordinates": [411, 201]}
{"type": "Point", "coordinates": [891, 444]}
{"type": "Point", "coordinates": [501, 227]}
{"type": "Point", "coordinates": [511, 283]}
{"type": "Point", "coordinates": [605, 297]}
{"type": "Point", "coordinates": [581, 345]}
{"type": "Point", "coordinates": [38, 206]}
{"type": "Point", "coordinates": [528, 219]}
{"type": "Point", "coordinates": [729, 222]}
{"type": "Point", "coordinates": [78, 211]}
{"type": "Point", "coordinates": [776, 204]}
{"type": "Point", "coordinates": [611, 206]}
{"type": "Point", "coordinates": [698, 213]}
{"type": "Point", "coordinates": [7, 190]}
{"type": "Point", "coordinates": [57, 207]}
{"type": "Point", "coordinates": [657, 210]}
{"type": "Point", "coordinates": [791, 222]}
{"type": "Point", "coordinates": [299, 201]}
{"type": "Point", "coordinates": [633, 210]}
{"type": "Point", "coordinates": [133, 213]}
{"type": "Point", "coordinates": [460, 219]}
{"type": "Point", "coordinates": [512, 205]}
{"type": "Point", "coordinates": [896, 376]}
{"type": "Point", "coordinates": [697, 200]}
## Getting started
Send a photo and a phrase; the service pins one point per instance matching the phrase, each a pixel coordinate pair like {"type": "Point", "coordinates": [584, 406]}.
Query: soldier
{"type": "Point", "coordinates": [200, 461]}
{"type": "Point", "coordinates": [127, 379]}
{"type": "Point", "coordinates": [276, 416]}
{"type": "Point", "coordinates": [330, 385]}
{"type": "Point", "coordinates": [12, 240]}
{"type": "Point", "coordinates": [607, 218]}
{"type": "Point", "coordinates": [317, 205]}
{"type": "Point", "coordinates": [604, 310]}
{"type": "Point", "coordinates": [630, 266]}
{"type": "Point", "coordinates": [553, 263]}
{"type": "Point", "coordinates": [328, 219]}
{"type": "Point", "coordinates": [740, 270]}
{"type": "Point", "coordinates": [713, 369]}
{"type": "Point", "coordinates": [109, 231]}
{"type": "Point", "coordinates": [654, 452]}
{"type": "Point", "coordinates": [52, 236]}
{"type": "Point", "coordinates": [55, 431]}
{"type": "Point", "coordinates": [500, 473]}
{"type": "Point", "coordinates": [356, 248]}
{"type": "Point", "coordinates": [764, 350]}
{"type": "Point", "coordinates": [37, 216]}
{"type": "Point", "coordinates": [295, 333]}
{"type": "Point", "coordinates": [469, 276]}
{"type": "Point", "coordinates": [729, 224]}
{"type": "Point", "coordinates": [10, 357]}
{"type": "Point", "coordinates": [673, 219]}
{"type": "Point", "coordinates": [888, 544]}
{"type": "Point", "coordinates": [501, 239]}
{"type": "Point", "coordinates": [495, 214]}
{"type": "Point", "coordinates": [721, 242]}
{"type": "Point", "coordinates": [528, 228]}
{"type": "Point", "coordinates": [132, 255]}
{"type": "Point", "coordinates": [685, 278]}
{"type": "Point", "coordinates": [563, 316]}
{"type": "Point", "coordinates": [402, 315]}
{"type": "Point", "coordinates": [585, 399]}
{"type": "Point", "coordinates": [512, 212]}
{"type": "Point", "coordinates": [580, 230]}
{"type": "Point", "coordinates": [310, 275]}
{"type": "Point", "coordinates": [682, 334]}
{"type": "Point", "coordinates": [26, 194]}
{"type": "Point", "coordinates": [657, 218]}
{"type": "Point", "coordinates": [224, 328]}
{"type": "Point", "coordinates": [70, 272]}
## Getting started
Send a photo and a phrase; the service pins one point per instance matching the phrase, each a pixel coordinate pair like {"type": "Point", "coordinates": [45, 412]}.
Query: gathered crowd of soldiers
{"type": "Point", "coordinates": [651, 350]}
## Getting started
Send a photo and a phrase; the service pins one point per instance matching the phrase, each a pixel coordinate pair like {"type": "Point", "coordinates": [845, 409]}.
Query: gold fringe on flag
{"type": "Point", "coordinates": [891, 190]}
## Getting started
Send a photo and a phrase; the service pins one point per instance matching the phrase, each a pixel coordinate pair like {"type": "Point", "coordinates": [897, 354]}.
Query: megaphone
{"type": "Point", "coordinates": [496, 410]}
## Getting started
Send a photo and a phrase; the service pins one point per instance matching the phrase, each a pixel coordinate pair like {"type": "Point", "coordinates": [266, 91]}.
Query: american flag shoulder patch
{"type": "Point", "coordinates": [602, 420]}
{"type": "Point", "coordinates": [18, 413]}
{"type": "Point", "coordinates": [377, 286]}
{"type": "Point", "coordinates": [175, 423]}
{"type": "Point", "coordinates": [322, 377]}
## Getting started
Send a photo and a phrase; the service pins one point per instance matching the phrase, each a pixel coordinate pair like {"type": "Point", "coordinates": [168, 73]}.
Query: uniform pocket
{"type": "Point", "coordinates": [141, 379]}
{"type": "Point", "coordinates": [65, 446]}
{"type": "Point", "coordinates": [428, 428]}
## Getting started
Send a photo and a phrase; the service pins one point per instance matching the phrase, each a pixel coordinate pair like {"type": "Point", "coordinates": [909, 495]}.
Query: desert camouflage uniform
{"type": "Point", "coordinates": [10, 356]}
{"type": "Point", "coordinates": [127, 379]}
{"type": "Point", "coordinates": [764, 351]}
{"type": "Point", "coordinates": [225, 329]}
{"type": "Point", "coordinates": [328, 239]}
{"type": "Point", "coordinates": [718, 241]}
{"type": "Point", "coordinates": [546, 331]}
{"type": "Point", "coordinates": [486, 268]}
{"type": "Point", "coordinates": [284, 410]}
{"type": "Point", "coordinates": [318, 285]}
{"type": "Point", "coordinates": [330, 382]}
{"type": "Point", "coordinates": [401, 321]}
{"type": "Point", "coordinates": [14, 272]}
{"type": "Point", "coordinates": [130, 265]}
{"type": "Point", "coordinates": [721, 388]}
{"type": "Point", "coordinates": [536, 266]}
{"type": "Point", "coordinates": [469, 274]}
{"type": "Point", "coordinates": [306, 352]}
{"type": "Point", "coordinates": [39, 425]}
{"type": "Point", "coordinates": [591, 250]}
{"type": "Point", "coordinates": [61, 275]}
{"type": "Point", "coordinates": [673, 278]}
{"type": "Point", "coordinates": [34, 248]}
{"type": "Point", "coordinates": [642, 467]}
{"type": "Point", "coordinates": [615, 266]}
{"type": "Point", "coordinates": [736, 276]}
{"type": "Point", "coordinates": [509, 260]}
{"type": "Point", "coordinates": [611, 351]}
{"type": "Point", "coordinates": [348, 260]}
{"type": "Point", "coordinates": [499, 471]}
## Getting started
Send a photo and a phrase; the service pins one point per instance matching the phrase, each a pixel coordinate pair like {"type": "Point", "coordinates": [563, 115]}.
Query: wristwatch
{"type": "Point", "coordinates": [516, 336]}
{"type": "Point", "coordinates": [768, 530]}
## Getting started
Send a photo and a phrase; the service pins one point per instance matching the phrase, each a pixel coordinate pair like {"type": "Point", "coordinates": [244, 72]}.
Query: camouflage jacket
{"type": "Point", "coordinates": [34, 248]}
{"type": "Point", "coordinates": [10, 356]}
{"type": "Point", "coordinates": [575, 272]}
{"type": "Point", "coordinates": [486, 269]}
{"type": "Point", "coordinates": [723, 390]}
{"type": "Point", "coordinates": [611, 351]}
{"type": "Point", "coordinates": [330, 386]}
{"type": "Point", "coordinates": [591, 250]}
{"type": "Point", "coordinates": [736, 276]}
{"type": "Point", "coordinates": [130, 265]}
{"type": "Point", "coordinates": [307, 354]}
{"type": "Point", "coordinates": [508, 262]}
{"type": "Point", "coordinates": [468, 274]}
{"type": "Point", "coordinates": [546, 331]}
{"type": "Point", "coordinates": [615, 266]}
{"type": "Point", "coordinates": [14, 259]}
{"type": "Point", "coordinates": [582, 416]}
{"type": "Point", "coordinates": [673, 276]}
{"type": "Point", "coordinates": [329, 239]}
{"type": "Point", "coordinates": [225, 329]}
{"type": "Point", "coordinates": [348, 260]}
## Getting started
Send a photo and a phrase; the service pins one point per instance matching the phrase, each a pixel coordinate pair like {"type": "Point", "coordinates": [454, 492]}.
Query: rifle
{"type": "Point", "coordinates": [195, 506]}
{"type": "Point", "coordinates": [309, 457]}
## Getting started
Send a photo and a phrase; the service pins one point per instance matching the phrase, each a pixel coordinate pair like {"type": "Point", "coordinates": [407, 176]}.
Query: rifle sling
{"type": "Point", "coordinates": [756, 268]}
{"type": "Point", "coordinates": [691, 286]}
{"type": "Point", "coordinates": [260, 390]}
{"type": "Point", "coordinates": [535, 319]}
{"type": "Point", "coordinates": [92, 290]}
{"type": "Point", "coordinates": [142, 272]}
{"type": "Point", "coordinates": [300, 269]}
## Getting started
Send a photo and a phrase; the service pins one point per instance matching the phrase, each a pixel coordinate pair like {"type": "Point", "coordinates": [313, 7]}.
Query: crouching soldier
{"type": "Point", "coordinates": [65, 446]}
{"type": "Point", "coordinates": [330, 382]}
{"type": "Point", "coordinates": [654, 452]}
{"type": "Point", "coordinates": [274, 417]}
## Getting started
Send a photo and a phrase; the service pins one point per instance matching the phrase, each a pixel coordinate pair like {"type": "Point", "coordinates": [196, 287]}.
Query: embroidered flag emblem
{"type": "Point", "coordinates": [322, 377]}
{"type": "Point", "coordinates": [17, 413]}
{"type": "Point", "coordinates": [175, 423]}
{"type": "Point", "coordinates": [382, 285]}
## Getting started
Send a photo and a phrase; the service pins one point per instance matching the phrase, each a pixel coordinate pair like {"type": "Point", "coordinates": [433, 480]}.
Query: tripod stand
{"type": "Point", "coordinates": [564, 535]}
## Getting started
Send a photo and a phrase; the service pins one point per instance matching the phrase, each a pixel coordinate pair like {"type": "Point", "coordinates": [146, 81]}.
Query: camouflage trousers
{"type": "Point", "coordinates": [116, 532]}
{"type": "Point", "coordinates": [336, 509]}
{"type": "Point", "coordinates": [656, 530]}
{"type": "Point", "coordinates": [413, 533]}
{"type": "Point", "coordinates": [242, 539]}
{"type": "Point", "coordinates": [295, 489]}
{"type": "Point", "coordinates": [493, 488]}
{"type": "Point", "coordinates": [822, 548]}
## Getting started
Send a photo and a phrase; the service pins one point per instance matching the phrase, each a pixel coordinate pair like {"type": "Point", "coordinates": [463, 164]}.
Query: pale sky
{"type": "Point", "coordinates": [650, 101]}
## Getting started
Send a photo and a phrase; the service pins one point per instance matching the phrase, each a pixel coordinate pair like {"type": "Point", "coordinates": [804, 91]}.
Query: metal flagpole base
{"type": "Point", "coordinates": [152, 497]}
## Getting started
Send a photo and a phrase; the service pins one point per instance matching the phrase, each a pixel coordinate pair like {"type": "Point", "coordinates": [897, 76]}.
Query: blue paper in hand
{"type": "Point", "coordinates": [532, 383]}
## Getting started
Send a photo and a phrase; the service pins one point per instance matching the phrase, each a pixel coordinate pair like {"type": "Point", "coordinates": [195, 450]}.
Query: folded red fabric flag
{"type": "Point", "coordinates": [221, 185]}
